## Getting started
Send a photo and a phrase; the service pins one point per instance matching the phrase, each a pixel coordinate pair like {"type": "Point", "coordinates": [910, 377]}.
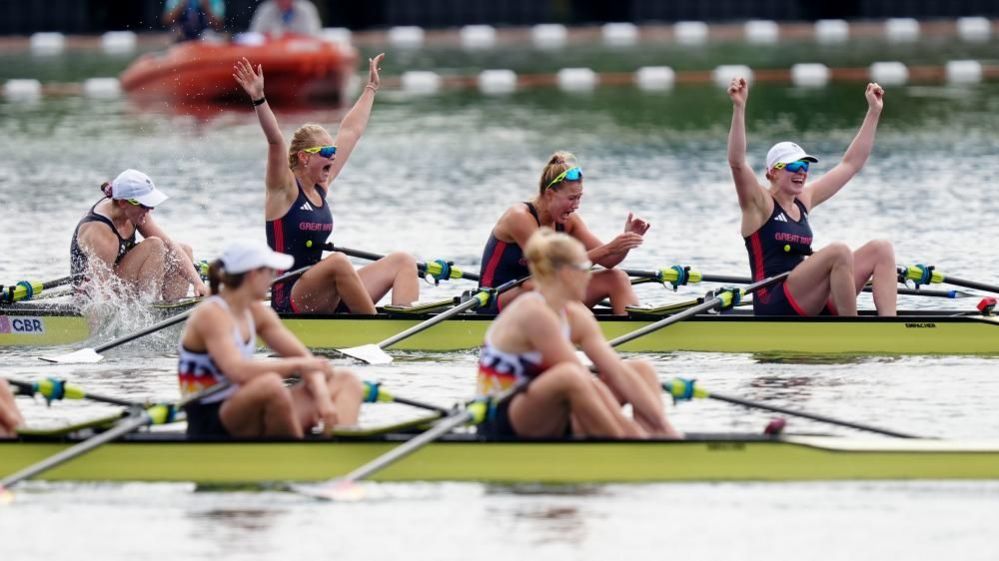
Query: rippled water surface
{"type": "Point", "coordinates": [430, 177]}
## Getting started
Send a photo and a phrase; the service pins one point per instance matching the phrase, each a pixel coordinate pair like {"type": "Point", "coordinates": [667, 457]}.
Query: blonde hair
{"type": "Point", "coordinates": [306, 136]}
{"type": "Point", "coordinates": [547, 250]}
{"type": "Point", "coordinates": [558, 163]}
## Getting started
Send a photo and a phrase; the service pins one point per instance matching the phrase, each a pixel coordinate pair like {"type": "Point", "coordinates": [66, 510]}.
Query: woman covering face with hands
{"type": "Point", "coordinates": [776, 230]}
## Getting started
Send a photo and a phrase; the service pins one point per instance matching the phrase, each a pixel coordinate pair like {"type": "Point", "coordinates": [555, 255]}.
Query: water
{"type": "Point", "coordinates": [430, 177]}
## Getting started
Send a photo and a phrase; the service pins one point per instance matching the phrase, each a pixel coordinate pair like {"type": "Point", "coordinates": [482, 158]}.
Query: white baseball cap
{"type": "Point", "coordinates": [136, 186]}
{"type": "Point", "coordinates": [241, 256]}
{"type": "Point", "coordinates": [785, 153]}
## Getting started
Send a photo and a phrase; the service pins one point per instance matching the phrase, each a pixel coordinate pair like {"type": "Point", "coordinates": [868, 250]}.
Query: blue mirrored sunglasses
{"type": "Point", "coordinates": [793, 167]}
{"type": "Point", "coordinates": [571, 174]}
{"type": "Point", "coordinates": [324, 151]}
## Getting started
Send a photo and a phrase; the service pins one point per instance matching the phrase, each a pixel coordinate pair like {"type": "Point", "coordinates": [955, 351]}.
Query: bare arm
{"type": "Point", "coordinates": [612, 253]}
{"type": "Point", "coordinates": [823, 188]}
{"type": "Point", "coordinates": [279, 180]}
{"type": "Point", "coordinates": [356, 120]}
{"type": "Point", "coordinates": [151, 229]}
{"type": "Point", "coordinates": [101, 247]}
{"type": "Point", "coordinates": [752, 197]}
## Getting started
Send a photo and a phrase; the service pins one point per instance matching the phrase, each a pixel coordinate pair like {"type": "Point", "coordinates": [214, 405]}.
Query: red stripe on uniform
{"type": "Point", "coordinates": [757, 248]}
{"type": "Point", "coordinates": [494, 260]}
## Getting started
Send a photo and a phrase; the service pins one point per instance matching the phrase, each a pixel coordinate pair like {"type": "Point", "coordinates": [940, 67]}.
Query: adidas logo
{"type": "Point", "coordinates": [780, 217]}
{"type": "Point", "coordinates": [306, 206]}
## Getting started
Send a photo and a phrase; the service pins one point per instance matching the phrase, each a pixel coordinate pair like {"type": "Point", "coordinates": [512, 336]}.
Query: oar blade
{"type": "Point", "coordinates": [82, 356]}
{"type": "Point", "coordinates": [371, 354]}
{"type": "Point", "coordinates": [338, 490]}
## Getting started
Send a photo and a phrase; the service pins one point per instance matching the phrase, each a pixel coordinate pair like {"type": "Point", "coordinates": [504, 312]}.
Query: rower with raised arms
{"type": "Point", "coordinates": [104, 244]}
{"type": "Point", "coordinates": [776, 230]}
{"type": "Point", "coordinates": [298, 216]}
{"type": "Point", "coordinates": [218, 345]}
{"type": "Point", "coordinates": [560, 192]}
{"type": "Point", "coordinates": [534, 337]}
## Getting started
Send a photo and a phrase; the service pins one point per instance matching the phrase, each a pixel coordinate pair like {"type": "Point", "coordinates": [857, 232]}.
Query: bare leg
{"type": "Point", "coordinates": [650, 413]}
{"type": "Point", "coordinates": [321, 288]}
{"type": "Point", "coordinates": [615, 284]}
{"type": "Point", "coordinates": [175, 284]}
{"type": "Point", "coordinates": [827, 273]}
{"type": "Point", "coordinates": [876, 260]}
{"type": "Point", "coordinates": [143, 266]}
{"type": "Point", "coordinates": [346, 392]}
{"type": "Point", "coordinates": [543, 409]}
{"type": "Point", "coordinates": [261, 407]}
{"type": "Point", "coordinates": [10, 417]}
{"type": "Point", "coordinates": [396, 272]}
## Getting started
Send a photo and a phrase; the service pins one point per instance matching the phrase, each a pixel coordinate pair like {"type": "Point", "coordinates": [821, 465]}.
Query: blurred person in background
{"type": "Point", "coordinates": [278, 17]}
{"type": "Point", "coordinates": [189, 19]}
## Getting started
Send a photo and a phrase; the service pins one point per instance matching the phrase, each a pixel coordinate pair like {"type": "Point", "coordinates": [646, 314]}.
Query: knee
{"type": "Point", "coordinates": [154, 245]}
{"type": "Point", "coordinates": [644, 369]}
{"type": "Point", "coordinates": [619, 278]}
{"type": "Point", "coordinates": [841, 253]}
{"type": "Point", "coordinates": [883, 249]}
{"type": "Point", "coordinates": [269, 384]}
{"type": "Point", "coordinates": [188, 250]}
{"type": "Point", "coordinates": [570, 377]}
{"type": "Point", "coordinates": [338, 263]}
{"type": "Point", "coordinates": [403, 260]}
{"type": "Point", "coordinates": [344, 381]}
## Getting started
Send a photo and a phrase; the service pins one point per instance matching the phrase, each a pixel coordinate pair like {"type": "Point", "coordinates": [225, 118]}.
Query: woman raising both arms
{"type": "Point", "coordinates": [559, 194]}
{"type": "Point", "coordinates": [299, 219]}
{"type": "Point", "coordinates": [534, 338]}
{"type": "Point", "coordinates": [217, 346]}
{"type": "Point", "coordinates": [775, 224]}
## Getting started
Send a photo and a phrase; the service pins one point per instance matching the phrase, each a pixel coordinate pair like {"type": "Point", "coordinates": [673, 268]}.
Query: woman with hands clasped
{"type": "Point", "coordinates": [776, 230]}
{"type": "Point", "coordinates": [560, 192]}
{"type": "Point", "coordinates": [299, 220]}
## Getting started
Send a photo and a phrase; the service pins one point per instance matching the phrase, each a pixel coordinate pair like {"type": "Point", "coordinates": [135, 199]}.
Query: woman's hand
{"type": "Point", "coordinates": [200, 290]}
{"type": "Point", "coordinates": [624, 243]}
{"type": "Point", "coordinates": [373, 68]}
{"type": "Point", "coordinates": [875, 97]}
{"type": "Point", "coordinates": [251, 81]}
{"type": "Point", "coordinates": [738, 90]}
{"type": "Point", "coordinates": [636, 225]}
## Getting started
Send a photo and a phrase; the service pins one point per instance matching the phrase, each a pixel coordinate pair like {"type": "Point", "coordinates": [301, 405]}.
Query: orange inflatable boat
{"type": "Point", "coordinates": [197, 72]}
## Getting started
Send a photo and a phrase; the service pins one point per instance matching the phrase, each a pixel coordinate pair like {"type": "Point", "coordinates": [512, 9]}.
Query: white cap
{"type": "Point", "coordinates": [246, 255]}
{"type": "Point", "coordinates": [135, 185]}
{"type": "Point", "coordinates": [785, 153]}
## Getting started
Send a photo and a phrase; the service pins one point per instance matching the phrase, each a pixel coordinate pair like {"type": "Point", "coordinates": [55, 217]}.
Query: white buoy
{"type": "Point", "coordinates": [655, 78]}
{"type": "Point", "coordinates": [976, 29]}
{"type": "Point", "coordinates": [47, 43]}
{"type": "Point", "coordinates": [810, 74]}
{"type": "Point", "coordinates": [724, 74]}
{"type": "Point", "coordinates": [118, 42]}
{"type": "Point", "coordinates": [478, 36]}
{"type": "Point", "coordinates": [497, 81]}
{"type": "Point", "coordinates": [420, 81]}
{"type": "Point", "coordinates": [577, 79]}
{"type": "Point", "coordinates": [549, 35]}
{"type": "Point", "coordinates": [690, 32]}
{"type": "Point", "coordinates": [340, 35]}
{"type": "Point", "coordinates": [22, 89]}
{"type": "Point", "coordinates": [964, 71]}
{"type": "Point", "coordinates": [761, 32]}
{"type": "Point", "coordinates": [406, 36]}
{"type": "Point", "coordinates": [832, 31]}
{"type": "Point", "coordinates": [889, 73]}
{"type": "Point", "coordinates": [101, 87]}
{"type": "Point", "coordinates": [901, 30]}
{"type": "Point", "coordinates": [620, 34]}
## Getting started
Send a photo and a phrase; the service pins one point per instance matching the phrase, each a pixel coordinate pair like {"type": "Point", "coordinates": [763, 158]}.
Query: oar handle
{"type": "Point", "coordinates": [680, 275]}
{"type": "Point", "coordinates": [927, 274]}
{"type": "Point", "coordinates": [53, 389]}
{"type": "Point", "coordinates": [26, 290]}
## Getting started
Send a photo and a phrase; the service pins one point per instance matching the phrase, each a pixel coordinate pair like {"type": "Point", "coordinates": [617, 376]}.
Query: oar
{"type": "Point", "coordinates": [723, 299]}
{"type": "Point", "coordinates": [927, 274]}
{"type": "Point", "coordinates": [375, 353]}
{"type": "Point", "coordinates": [53, 389]}
{"type": "Point", "coordinates": [346, 488]}
{"type": "Point", "coordinates": [138, 418]}
{"type": "Point", "coordinates": [91, 355]}
{"type": "Point", "coordinates": [683, 390]}
{"type": "Point", "coordinates": [26, 290]}
{"type": "Point", "coordinates": [439, 269]}
{"type": "Point", "coordinates": [373, 393]}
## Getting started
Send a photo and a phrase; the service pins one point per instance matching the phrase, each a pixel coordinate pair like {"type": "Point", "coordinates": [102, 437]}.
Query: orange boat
{"type": "Point", "coordinates": [296, 68]}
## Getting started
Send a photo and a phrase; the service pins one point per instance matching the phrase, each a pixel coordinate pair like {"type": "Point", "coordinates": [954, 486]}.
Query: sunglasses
{"type": "Point", "coordinates": [793, 167]}
{"type": "Point", "coordinates": [571, 174]}
{"type": "Point", "coordinates": [134, 202]}
{"type": "Point", "coordinates": [325, 151]}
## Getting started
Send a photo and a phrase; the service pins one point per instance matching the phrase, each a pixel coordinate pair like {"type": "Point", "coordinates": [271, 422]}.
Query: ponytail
{"type": "Point", "coordinates": [558, 163]}
{"type": "Point", "coordinates": [217, 275]}
{"type": "Point", "coordinates": [106, 189]}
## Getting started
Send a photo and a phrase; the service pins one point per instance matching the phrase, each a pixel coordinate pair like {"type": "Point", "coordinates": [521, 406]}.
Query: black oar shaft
{"type": "Point", "coordinates": [807, 415]}
{"type": "Point", "coordinates": [971, 284]}
{"type": "Point", "coordinates": [360, 254]}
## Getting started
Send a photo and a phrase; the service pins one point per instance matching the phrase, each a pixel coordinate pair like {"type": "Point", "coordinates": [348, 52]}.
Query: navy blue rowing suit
{"type": "Point", "coordinates": [778, 246]}
{"type": "Point", "coordinates": [504, 261]}
{"type": "Point", "coordinates": [78, 259]}
{"type": "Point", "coordinates": [301, 232]}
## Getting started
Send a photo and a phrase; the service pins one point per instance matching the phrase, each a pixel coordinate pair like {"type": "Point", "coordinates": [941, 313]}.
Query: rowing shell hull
{"type": "Point", "coordinates": [159, 457]}
{"type": "Point", "coordinates": [910, 333]}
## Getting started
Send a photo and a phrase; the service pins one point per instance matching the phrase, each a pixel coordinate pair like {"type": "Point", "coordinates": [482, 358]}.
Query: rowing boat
{"type": "Point", "coordinates": [163, 456]}
{"type": "Point", "coordinates": [912, 332]}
